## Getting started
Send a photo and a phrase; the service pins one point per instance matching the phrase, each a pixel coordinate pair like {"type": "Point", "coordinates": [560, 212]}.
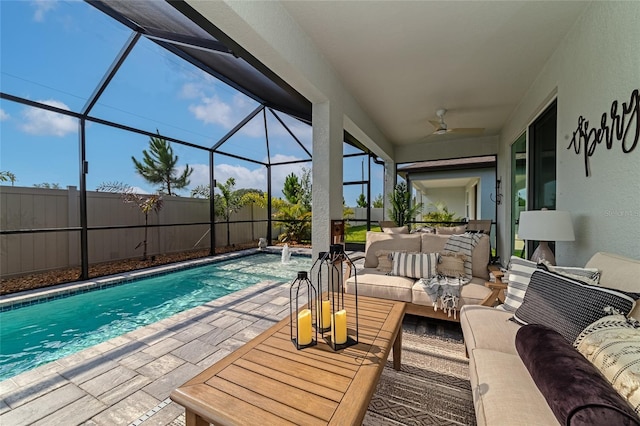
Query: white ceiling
{"type": "Point", "coordinates": [403, 60]}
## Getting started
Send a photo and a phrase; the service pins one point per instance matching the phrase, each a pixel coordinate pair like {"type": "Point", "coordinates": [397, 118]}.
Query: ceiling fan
{"type": "Point", "coordinates": [441, 127]}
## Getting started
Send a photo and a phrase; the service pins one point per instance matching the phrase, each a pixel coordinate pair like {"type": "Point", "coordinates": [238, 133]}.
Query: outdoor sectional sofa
{"type": "Point", "coordinates": [516, 369]}
{"type": "Point", "coordinates": [374, 281]}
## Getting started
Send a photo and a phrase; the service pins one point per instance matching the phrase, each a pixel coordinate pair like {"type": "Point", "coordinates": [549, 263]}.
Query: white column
{"type": "Point", "coordinates": [327, 172]}
{"type": "Point", "coordinates": [389, 184]}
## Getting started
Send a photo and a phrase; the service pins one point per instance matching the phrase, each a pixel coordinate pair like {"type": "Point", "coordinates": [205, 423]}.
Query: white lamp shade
{"type": "Point", "coordinates": [545, 225]}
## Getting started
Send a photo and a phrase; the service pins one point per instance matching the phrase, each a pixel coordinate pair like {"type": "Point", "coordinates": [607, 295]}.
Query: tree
{"type": "Point", "coordinates": [378, 202]}
{"type": "Point", "coordinates": [158, 166]}
{"type": "Point", "coordinates": [7, 176]}
{"type": "Point", "coordinates": [292, 189]}
{"type": "Point", "coordinates": [305, 188]}
{"type": "Point", "coordinates": [201, 191]}
{"type": "Point", "coordinates": [229, 202]}
{"type": "Point", "coordinates": [47, 185]}
{"type": "Point", "coordinates": [402, 210]}
{"type": "Point", "coordinates": [362, 201]}
{"type": "Point", "coordinates": [146, 203]}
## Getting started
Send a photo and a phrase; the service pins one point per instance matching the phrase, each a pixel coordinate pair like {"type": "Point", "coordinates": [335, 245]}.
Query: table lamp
{"type": "Point", "coordinates": [545, 225]}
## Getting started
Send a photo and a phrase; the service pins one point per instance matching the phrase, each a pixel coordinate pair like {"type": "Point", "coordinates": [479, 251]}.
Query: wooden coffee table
{"type": "Point", "coordinates": [268, 382]}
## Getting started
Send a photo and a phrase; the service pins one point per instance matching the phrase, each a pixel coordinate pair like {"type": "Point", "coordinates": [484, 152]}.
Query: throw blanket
{"type": "Point", "coordinates": [445, 292]}
{"type": "Point", "coordinates": [463, 243]}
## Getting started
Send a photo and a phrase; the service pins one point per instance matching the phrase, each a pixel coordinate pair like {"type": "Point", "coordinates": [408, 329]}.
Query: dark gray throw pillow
{"type": "Point", "coordinates": [568, 306]}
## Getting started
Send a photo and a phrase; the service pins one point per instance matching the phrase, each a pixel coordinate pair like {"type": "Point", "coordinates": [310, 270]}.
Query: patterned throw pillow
{"type": "Point", "coordinates": [612, 344]}
{"type": "Point", "coordinates": [589, 276]}
{"type": "Point", "coordinates": [554, 301]}
{"type": "Point", "coordinates": [385, 260]}
{"type": "Point", "coordinates": [518, 277]}
{"type": "Point", "coordinates": [414, 265]}
{"type": "Point", "coordinates": [452, 265]}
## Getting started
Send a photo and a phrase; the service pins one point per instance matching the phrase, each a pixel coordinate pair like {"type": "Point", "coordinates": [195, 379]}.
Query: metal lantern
{"type": "Point", "coordinates": [331, 313]}
{"type": "Point", "coordinates": [301, 325]}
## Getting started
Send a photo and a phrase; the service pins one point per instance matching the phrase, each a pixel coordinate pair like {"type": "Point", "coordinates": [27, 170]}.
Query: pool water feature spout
{"type": "Point", "coordinates": [286, 254]}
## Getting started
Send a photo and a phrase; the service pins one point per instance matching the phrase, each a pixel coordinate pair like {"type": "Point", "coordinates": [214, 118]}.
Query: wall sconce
{"type": "Point", "coordinates": [498, 199]}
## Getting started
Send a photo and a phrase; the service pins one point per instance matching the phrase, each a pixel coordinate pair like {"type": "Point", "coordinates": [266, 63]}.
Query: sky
{"type": "Point", "coordinates": [57, 52]}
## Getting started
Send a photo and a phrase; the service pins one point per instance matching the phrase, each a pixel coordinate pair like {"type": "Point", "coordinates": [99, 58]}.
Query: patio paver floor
{"type": "Point", "coordinates": [127, 380]}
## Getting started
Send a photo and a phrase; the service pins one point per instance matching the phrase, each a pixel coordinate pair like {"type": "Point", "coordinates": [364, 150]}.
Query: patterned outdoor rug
{"type": "Point", "coordinates": [432, 387]}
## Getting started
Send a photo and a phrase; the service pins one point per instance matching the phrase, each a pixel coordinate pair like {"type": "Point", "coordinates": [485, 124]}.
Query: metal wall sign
{"type": "Point", "coordinates": [620, 125]}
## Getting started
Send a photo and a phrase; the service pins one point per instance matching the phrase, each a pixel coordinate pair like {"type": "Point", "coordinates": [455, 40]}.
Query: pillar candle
{"type": "Point", "coordinates": [325, 321]}
{"type": "Point", "coordinates": [339, 327]}
{"type": "Point", "coordinates": [304, 327]}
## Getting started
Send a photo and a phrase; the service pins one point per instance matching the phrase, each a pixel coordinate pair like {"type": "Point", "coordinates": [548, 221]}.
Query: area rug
{"type": "Point", "coordinates": [432, 387]}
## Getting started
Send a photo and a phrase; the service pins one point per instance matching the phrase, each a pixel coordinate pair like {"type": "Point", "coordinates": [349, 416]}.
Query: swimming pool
{"type": "Point", "coordinates": [34, 335]}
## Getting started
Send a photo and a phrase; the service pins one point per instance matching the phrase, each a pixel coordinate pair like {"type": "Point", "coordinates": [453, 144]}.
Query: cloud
{"type": "Point", "coordinates": [199, 176]}
{"type": "Point", "coordinates": [246, 177]}
{"type": "Point", "coordinates": [42, 122]}
{"type": "Point", "coordinates": [3, 115]}
{"type": "Point", "coordinates": [212, 109]}
{"type": "Point", "coordinates": [41, 8]}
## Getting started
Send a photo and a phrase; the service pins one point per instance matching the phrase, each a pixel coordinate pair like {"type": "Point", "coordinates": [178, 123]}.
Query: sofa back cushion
{"type": "Point", "coordinates": [618, 272]}
{"type": "Point", "coordinates": [377, 241]}
{"type": "Point", "coordinates": [434, 243]}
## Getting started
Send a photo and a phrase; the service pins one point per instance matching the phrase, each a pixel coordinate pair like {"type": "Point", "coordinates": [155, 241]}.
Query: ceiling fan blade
{"type": "Point", "coordinates": [468, 130]}
{"type": "Point", "coordinates": [435, 123]}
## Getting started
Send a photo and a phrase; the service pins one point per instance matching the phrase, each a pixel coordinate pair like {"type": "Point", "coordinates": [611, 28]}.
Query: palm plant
{"type": "Point", "coordinates": [296, 221]}
{"type": "Point", "coordinates": [402, 210]}
{"type": "Point", "coordinates": [229, 202]}
{"type": "Point", "coordinates": [146, 203]}
{"type": "Point", "coordinates": [441, 215]}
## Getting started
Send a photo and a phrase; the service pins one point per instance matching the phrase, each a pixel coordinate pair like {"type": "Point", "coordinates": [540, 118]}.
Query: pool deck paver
{"type": "Point", "coordinates": [118, 381]}
{"type": "Point", "coordinates": [128, 379]}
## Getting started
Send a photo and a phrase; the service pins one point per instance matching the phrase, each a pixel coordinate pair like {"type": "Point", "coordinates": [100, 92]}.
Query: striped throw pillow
{"type": "Point", "coordinates": [518, 277]}
{"type": "Point", "coordinates": [414, 265]}
{"type": "Point", "coordinates": [589, 276]}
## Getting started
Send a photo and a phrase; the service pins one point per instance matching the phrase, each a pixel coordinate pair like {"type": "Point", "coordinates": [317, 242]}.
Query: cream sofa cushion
{"type": "Point", "coordinates": [450, 230]}
{"type": "Point", "coordinates": [378, 284]}
{"type": "Point", "coordinates": [618, 272]}
{"type": "Point", "coordinates": [484, 327]}
{"type": "Point", "coordinates": [504, 393]}
{"type": "Point", "coordinates": [380, 241]}
{"type": "Point", "coordinates": [471, 294]}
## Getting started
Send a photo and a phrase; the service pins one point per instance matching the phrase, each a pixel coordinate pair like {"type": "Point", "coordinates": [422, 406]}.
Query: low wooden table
{"type": "Point", "coordinates": [268, 382]}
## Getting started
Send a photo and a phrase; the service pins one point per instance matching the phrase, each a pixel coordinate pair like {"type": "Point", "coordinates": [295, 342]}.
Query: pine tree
{"type": "Point", "coordinates": [362, 201]}
{"type": "Point", "coordinates": [158, 166]}
{"type": "Point", "coordinates": [292, 189]}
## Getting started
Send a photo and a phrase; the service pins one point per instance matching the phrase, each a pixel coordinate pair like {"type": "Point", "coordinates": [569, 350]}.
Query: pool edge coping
{"type": "Point", "coordinates": [36, 296]}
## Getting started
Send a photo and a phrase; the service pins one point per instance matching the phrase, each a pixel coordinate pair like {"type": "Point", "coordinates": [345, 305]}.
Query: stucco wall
{"type": "Point", "coordinates": [596, 64]}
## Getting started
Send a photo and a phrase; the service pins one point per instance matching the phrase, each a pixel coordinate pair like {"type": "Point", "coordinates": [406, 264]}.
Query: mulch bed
{"type": "Point", "coordinates": [66, 275]}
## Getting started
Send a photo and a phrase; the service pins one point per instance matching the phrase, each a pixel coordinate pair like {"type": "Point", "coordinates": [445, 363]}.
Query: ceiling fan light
{"type": "Point", "coordinates": [440, 131]}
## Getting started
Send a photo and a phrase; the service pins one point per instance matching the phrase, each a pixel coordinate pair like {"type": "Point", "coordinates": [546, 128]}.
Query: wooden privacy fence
{"type": "Point", "coordinates": [37, 209]}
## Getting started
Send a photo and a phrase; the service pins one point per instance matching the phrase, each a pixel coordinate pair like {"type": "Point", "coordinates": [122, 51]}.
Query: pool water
{"type": "Point", "coordinates": [37, 334]}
